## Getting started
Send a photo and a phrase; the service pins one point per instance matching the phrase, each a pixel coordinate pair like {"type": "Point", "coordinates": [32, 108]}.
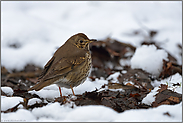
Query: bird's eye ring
{"type": "Point", "coordinates": [81, 41]}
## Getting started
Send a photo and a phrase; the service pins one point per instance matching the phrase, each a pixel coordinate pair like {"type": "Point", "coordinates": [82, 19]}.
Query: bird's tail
{"type": "Point", "coordinates": [36, 87]}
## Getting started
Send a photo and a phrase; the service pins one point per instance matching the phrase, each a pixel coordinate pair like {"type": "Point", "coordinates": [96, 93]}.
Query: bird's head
{"type": "Point", "coordinates": [81, 41]}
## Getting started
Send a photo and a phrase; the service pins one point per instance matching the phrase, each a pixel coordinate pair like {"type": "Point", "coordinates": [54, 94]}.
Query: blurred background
{"type": "Point", "coordinates": [31, 31]}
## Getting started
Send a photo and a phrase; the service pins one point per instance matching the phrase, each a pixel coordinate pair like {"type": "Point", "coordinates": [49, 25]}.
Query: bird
{"type": "Point", "coordinates": [69, 66]}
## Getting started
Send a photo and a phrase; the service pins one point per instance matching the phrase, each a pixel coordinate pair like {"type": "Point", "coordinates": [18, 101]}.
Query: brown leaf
{"type": "Point", "coordinates": [174, 99]}
{"type": "Point", "coordinates": [119, 86]}
{"type": "Point", "coordinates": [112, 52]}
{"type": "Point", "coordinates": [169, 65]}
{"type": "Point", "coordinates": [167, 97]}
{"type": "Point", "coordinates": [162, 87]}
{"type": "Point", "coordinates": [166, 102]}
{"type": "Point", "coordinates": [170, 68]}
{"type": "Point", "coordinates": [129, 84]}
{"type": "Point", "coordinates": [134, 95]}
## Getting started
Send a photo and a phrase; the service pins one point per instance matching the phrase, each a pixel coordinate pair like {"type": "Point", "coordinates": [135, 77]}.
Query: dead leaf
{"type": "Point", "coordinates": [174, 99]}
{"type": "Point", "coordinates": [162, 87]}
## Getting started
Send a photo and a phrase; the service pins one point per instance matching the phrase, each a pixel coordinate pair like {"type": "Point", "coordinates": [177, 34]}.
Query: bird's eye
{"type": "Point", "coordinates": [81, 41]}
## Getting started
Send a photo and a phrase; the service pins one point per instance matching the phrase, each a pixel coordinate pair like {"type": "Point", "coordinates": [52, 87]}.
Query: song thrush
{"type": "Point", "coordinates": [69, 66]}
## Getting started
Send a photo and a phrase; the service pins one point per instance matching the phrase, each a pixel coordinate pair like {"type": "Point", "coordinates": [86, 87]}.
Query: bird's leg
{"type": "Point", "coordinates": [72, 90]}
{"type": "Point", "coordinates": [62, 97]}
{"type": "Point", "coordinates": [60, 91]}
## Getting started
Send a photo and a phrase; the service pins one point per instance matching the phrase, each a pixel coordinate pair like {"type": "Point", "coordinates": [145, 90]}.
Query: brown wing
{"type": "Point", "coordinates": [55, 70]}
{"type": "Point", "coordinates": [46, 67]}
{"type": "Point", "coordinates": [63, 66]}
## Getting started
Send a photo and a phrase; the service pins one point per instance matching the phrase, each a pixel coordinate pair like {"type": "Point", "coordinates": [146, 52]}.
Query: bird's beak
{"type": "Point", "coordinates": [92, 40]}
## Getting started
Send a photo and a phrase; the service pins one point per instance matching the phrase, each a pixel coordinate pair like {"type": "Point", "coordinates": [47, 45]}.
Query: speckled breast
{"type": "Point", "coordinates": [78, 75]}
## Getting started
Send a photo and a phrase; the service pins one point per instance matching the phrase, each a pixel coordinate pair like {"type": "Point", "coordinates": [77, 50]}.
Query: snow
{"type": "Point", "coordinates": [9, 102]}
{"type": "Point", "coordinates": [22, 115]}
{"type": "Point", "coordinates": [33, 101]}
{"type": "Point", "coordinates": [150, 97]}
{"type": "Point", "coordinates": [7, 90]}
{"type": "Point", "coordinates": [52, 91]}
{"type": "Point", "coordinates": [124, 62]}
{"type": "Point", "coordinates": [40, 27]}
{"type": "Point", "coordinates": [124, 71]}
{"type": "Point", "coordinates": [55, 112]}
{"type": "Point", "coordinates": [84, 113]}
{"type": "Point", "coordinates": [149, 58]}
{"type": "Point", "coordinates": [152, 114]}
{"type": "Point", "coordinates": [113, 77]}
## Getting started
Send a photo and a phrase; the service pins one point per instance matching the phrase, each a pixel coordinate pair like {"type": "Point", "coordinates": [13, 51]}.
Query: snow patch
{"type": "Point", "coordinates": [149, 58]}
{"type": "Point", "coordinates": [150, 97]}
{"type": "Point", "coordinates": [9, 102]}
{"type": "Point", "coordinates": [174, 79]}
{"type": "Point", "coordinates": [33, 101]}
{"type": "Point", "coordinates": [7, 90]}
